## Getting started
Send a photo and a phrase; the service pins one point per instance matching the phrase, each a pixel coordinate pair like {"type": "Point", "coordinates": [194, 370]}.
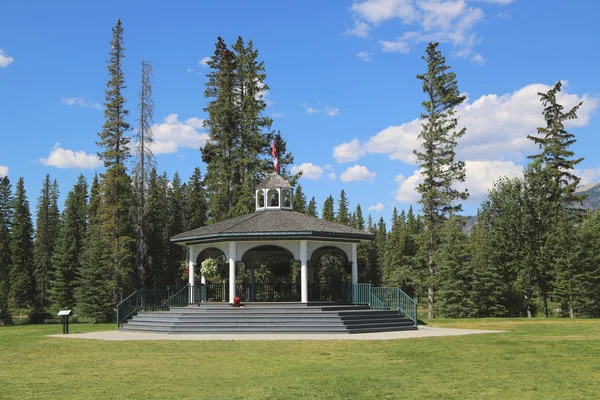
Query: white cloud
{"type": "Point", "coordinates": [360, 29]}
{"type": "Point", "coordinates": [364, 55]}
{"type": "Point", "coordinates": [377, 207]}
{"type": "Point", "coordinates": [480, 175]}
{"type": "Point", "coordinates": [332, 176]}
{"type": "Point", "coordinates": [332, 111]}
{"type": "Point", "coordinates": [357, 173]}
{"type": "Point", "coordinates": [349, 151]}
{"type": "Point", "coordinates": [204, 62]}
{"type": "Point", "coordinates": [309, 109]}
{"type": "Point", "coordinates": [190, 70]}
{"type": "Point", "coordinates": [3, 170]}
{"type": "Point", "coordinates": [5, 60]}
{"type": "Point", "coordinates": [276, 115]}
{"type": "Point", "coordinates": [588, 175]}
{"type": "Point", "coordinates": [497, 127]}
{"type": "Point", "coordinates": [80, 102]}
{"type": "Point", "coordinates": [171, 135]}
{"type": "Point", "coordinates": [64, 158]}
{"type": "Point", "coordinates": [309, 170]}
{"type": "Point", "coordinates": [446, 21]}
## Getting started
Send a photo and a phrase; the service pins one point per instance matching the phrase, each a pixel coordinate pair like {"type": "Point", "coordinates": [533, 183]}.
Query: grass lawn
{"type": "Point", "coordinates": [539, 359]}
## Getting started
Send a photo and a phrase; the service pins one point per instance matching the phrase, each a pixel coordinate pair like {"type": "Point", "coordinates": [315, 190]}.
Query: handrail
{"type": "Point", "coordinates": [394, 298]}
{"type": "Point", "coordinates": [122, 307]}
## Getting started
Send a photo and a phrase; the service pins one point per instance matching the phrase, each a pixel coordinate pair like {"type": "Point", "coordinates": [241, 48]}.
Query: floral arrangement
{"type": "Point", "coordinates": [210, 268]}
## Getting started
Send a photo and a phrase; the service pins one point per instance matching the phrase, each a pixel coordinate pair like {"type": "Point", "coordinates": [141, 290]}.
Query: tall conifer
{"type": "Point", "coordinates": [328, 213]}
{"type": "Point", "coordinates": [5, 224]}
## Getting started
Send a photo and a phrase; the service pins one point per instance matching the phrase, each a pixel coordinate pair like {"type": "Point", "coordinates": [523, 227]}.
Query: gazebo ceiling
{"type": "Point", "coordinates": [272, 225]}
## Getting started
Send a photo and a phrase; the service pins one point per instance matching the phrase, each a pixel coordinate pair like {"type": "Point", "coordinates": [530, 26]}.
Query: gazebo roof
{"type": "Point", "coordinates": [277, 224]}
{"type": "Point", "coordinates": [273, 180]}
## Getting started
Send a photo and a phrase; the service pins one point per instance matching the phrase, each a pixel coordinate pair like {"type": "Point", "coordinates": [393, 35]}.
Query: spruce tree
{"type": "Point", "coordinates": [5, 239]}
{"type": "Point", "coordinates": [555, 141]}
{"type": "Point", "coordinates": [22, 284]}
{"type": "Point", "coordinates": [586, 301]}
{"type": "Point", "coordinates": [311, 209]}
{"type": "Point", "coordinates": [439, 168]}
{"type": "Point", "coordinates": [176, 224]}
{"type": "Point", "coordinates": [343, 216]}
{"type": "Point", "coordinates": [158, 238]}
{"type": "Point", "coordinates": [46, 232]}
{"type": "Point", "coordinates": [358, 218]}
{"type": "Point", "coordinates": [116, 189]}
{"type": "Point", "coordinates": [96, 286]}
{"type": "Point", "coordinates": [196, 201]}
{"type": "Point", "coordinates": [141, 171]}
{"type": "Point", "coordinates": [328, 213]}
{"type": "Point", "coordinates": [393, 260]}
{"type": "Point", "coordinates": [67, 257]}
{"type": "Point", "coordinates": [300, 200]}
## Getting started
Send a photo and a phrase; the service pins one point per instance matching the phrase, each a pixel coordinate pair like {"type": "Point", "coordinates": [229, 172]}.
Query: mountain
{"type": "Point", "coordinates": [592, 202]}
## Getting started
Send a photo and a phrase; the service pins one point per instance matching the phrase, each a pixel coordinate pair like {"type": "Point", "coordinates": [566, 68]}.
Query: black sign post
{"type": "Point", "coordinates": [64, 316]}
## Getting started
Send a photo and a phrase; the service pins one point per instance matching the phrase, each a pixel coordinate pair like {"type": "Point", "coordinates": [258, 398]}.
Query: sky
{"type": "Point", "coordinates": [342, 77]}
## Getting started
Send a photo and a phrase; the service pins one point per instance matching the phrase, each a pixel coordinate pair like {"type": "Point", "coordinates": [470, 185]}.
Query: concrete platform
{"type": "Point", "coordinates": [422, 332]}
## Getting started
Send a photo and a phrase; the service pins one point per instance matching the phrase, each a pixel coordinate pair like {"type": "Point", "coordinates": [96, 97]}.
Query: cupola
{"type": "Point", "coordinates": [274, 193]}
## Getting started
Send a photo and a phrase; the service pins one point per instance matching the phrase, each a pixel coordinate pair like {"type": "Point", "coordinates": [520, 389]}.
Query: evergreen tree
{"type": "Point", "coordinates": [564, 246]}
{"type": "Point", "coordinates": [586, 301]}
{"type": "Point", "coordinates": [22, 284]}
{"type": "Point", "coordinates": [455, 274]}
{"type": "Point", "coordinates": [116, 189]}
{"type": "Point", "coordinates": [311, 209]}
{"type": "Point", "coordinates": [439, 168]}
{"type": "Point", "coordinates": [359, 221]}
{"type": "Point", "coordinates": [300, 200]}
{"type": "Point", "coordinates": [67, 258]}
{"type": "Point", "coordinates": [343, 216]}
{"type": "Point", "coordinates": [5, 239]}
{"type": "Point", "coordinates": [96, 286]}
{"type": "Point", "coordinates": [555, 141]}
{"type": "Point", "coordinates": [196, 201]}
{"type": "Point", "coordinates": [158, 238]}
{"type": "Point", "coordinates": [141, 171]}
{"type": "Point", "coordinates": [393, 272]}
{"type": "Point", "coordinates": [176, 224]}
{"type": "Point", "coordinates": [328, 214]}
{"type": "Point", "coordinates": [46, 232]}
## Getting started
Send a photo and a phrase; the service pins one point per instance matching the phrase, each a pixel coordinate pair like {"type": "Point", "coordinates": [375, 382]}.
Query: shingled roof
{"type": "Point", "coordinates": [272, 225]}
{"type": "Point", "coordinates": [273, 180]}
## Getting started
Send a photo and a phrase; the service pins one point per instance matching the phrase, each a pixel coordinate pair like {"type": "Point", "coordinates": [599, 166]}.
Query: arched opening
{"type": "Point", "coordinates": [273, 198]}
{"type": "Point", "coordinates": [331, 273]}
{"type": "Point", "coordinates": [287, 198]}
{"type": "Point", "coordinates": [215, 281]}
{"type": "Point", "coordinates": [260, 199]}
{"type": "Point", "coordinates": [272, 275]}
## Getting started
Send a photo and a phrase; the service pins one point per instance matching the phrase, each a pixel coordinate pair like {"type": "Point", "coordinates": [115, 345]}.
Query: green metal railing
{"type": "Point", "coordinates": [383, 298]}
{"type": "Point", "coordinates": [159, 300]}
{"type": "Point", "coordinates": [361, 293]}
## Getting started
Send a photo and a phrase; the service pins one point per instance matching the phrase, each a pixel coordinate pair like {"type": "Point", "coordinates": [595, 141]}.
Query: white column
{"type": "Point", "coordinates": [232, 258]}
{"type": "Point", "coordinates": [303, 272]}
{"type": "Point", "coordinates": [191, 270]}
{"type": "Point", "coordinates": [354, 265]}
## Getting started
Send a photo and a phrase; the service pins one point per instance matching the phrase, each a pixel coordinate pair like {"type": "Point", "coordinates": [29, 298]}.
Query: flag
{"type": "Point", "coordinates": [275, 161]}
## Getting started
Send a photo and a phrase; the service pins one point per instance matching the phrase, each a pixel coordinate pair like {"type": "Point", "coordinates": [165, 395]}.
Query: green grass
{"type": "Point", "coordinates": [538, 359]}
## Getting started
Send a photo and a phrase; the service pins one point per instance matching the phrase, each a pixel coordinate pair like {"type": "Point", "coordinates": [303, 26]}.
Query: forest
{"type": "Point", "coordinates": [531, 250]}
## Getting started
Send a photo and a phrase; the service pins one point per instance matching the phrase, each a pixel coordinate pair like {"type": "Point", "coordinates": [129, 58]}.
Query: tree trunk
{"type": "Point", "coordinates": [545, 297]}
{"type": "Point", "coordinates": [430, 299]}
{"type": "Point", "coordinates": [528, 305]}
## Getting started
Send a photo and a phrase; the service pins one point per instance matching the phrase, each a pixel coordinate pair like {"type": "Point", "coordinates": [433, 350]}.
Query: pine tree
{"type": "Point", "coordinates": [439, 168]}
{"type": "Point", "coordinates": [141, 171]}
{"type": "Point", "coordinates": [47, 226]}
{"type": "Point", "coordinates": [393, 271]}
{"type": "Point", "coordinates": [358, 218]}
{"type": "Point", "coordinates": [300, 200]}
{"type": "Point", "coordinates": [22, 284]}
{"type": "Point", "coordinates": [555, 141]}
{"type": "Point", "coordinates": [311, 209]}
{"type": "Point", "coordinates": [343, 216]}
{"type": "Point", "coordinates": [96, 286]}
{"type": "Point", "coordinates": [176, 224]}
{"type": "Point", "coordinates": [158, 238]}
{"type": "Point", "coordinates": [586, 301]}
{"type": "Point", "coordinates": [455, 276]}
{"type": "Point", "coordinates": [67, 257]}
{"type": "Point", "coordinates": [328, 214]}
{"type": "Point", "coordinates": [196, 201]}
{"type": "Point", "coordinates": [116, 189]}
{"type": "Point", "coordinates": [5, 239]}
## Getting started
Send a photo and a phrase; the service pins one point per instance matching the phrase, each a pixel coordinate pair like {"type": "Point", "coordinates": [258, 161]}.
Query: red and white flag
{"type": "Point", "coordinates": [275, 161]}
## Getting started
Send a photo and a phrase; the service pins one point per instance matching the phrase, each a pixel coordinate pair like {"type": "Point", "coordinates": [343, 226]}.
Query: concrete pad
{"type": "Point", "coordinates": [422, 332]}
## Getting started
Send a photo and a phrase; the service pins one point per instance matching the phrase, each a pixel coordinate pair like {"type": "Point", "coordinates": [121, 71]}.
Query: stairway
{"type": "Point", "coordinates": [269, 318]}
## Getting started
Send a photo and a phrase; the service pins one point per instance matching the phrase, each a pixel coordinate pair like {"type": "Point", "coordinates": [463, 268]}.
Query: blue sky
{"type": "Point", "coordinates": [342, 78]}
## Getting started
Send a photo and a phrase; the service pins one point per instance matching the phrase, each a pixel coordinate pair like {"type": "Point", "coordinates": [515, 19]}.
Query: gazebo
{"type": "Point", "coordinates": [274, 229]}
